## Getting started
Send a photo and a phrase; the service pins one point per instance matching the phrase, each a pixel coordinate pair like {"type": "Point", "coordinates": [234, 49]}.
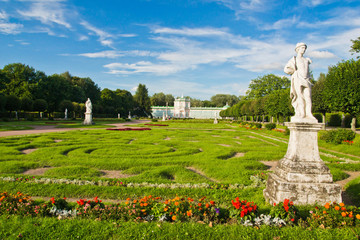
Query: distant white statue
{"type": "Point", "coordinates": [300, 91]}
{"type": "Point", "coordinates": [88, 114]}
{"type": "Point", "coordinates": [88, 106]}
{"type": "Point", "coordinates": [66, 114]}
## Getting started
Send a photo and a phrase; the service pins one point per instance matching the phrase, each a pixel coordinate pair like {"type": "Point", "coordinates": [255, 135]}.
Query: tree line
{"type": "Point", "coordinates": [22, 88]}
{"type": "Point", "coordinates": [336, 91]}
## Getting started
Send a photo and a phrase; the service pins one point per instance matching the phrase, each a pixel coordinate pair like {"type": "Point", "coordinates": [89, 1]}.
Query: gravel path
{"type": "Point", "coordinates": [52, 128]}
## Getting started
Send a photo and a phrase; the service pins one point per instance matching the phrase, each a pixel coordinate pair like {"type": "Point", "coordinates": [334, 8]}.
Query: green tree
{"type": "Point", "coordinates": [54, 89]}
{"type": "Point", "coordinates": [158, 99]}
{"type": "Point", "coordinates": [66, 104]}
{"type": "Point", "coordinates": [142, 100]}
{"type": "Point", "coordinates": [2, 103]}
{"type": "Point", "coordinates": [13, 103]}
{"type": "Point", "coordinates": [220, 100]}
{"type": "Point", "coordinates": [26, 104]}
{"type": "Point", "coordinates": [342, 88]}
{"type": "Point", "coordinates": [169, 98]}
{"type": "Point", "coordinates": [195, 102]}
{"type": "Point", "coordinates": [265, 85]}
{"type": "Point", "coordinates": [20, 80]}
{"type": "Point", "coordinates": [355, 48]}
{"type": "Point", "coordinates": [278, 103]}
{"type": "Point", "coordinates": [40, 105]}
{"type": "Point", "coordinates": [318, 103]}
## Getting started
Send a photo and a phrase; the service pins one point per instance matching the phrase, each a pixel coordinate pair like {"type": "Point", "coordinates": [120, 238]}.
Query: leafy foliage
{"type": "Point", "coordinates": [338, 136]}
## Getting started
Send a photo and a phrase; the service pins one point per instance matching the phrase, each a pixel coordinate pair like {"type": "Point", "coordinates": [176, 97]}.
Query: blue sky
{"type": "Point", "coordinates": [196, 48]}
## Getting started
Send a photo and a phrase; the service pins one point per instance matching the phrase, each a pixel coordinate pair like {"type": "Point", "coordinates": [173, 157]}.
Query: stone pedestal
{"type": "Point", "coordinates": [88, 119]}
{"type": "Point", "coordinates": [301, 175]}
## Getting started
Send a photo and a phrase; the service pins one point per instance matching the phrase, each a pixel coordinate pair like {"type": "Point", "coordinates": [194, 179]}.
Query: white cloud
{"type": "Point", "coordinates": [241, 7]}
{"type": "Point", "coordinates": [83, 38]}
{"type": "Point", "coordinates": [321, 54]}
{"type": "Point", "coordinates": [281, 24]}
{"type": "Point", "coordinates": [116, 54]}
{"type": "Point", "coordinates": [192, 31]}
{"type": "Point", "coordinates": [47, 12]}
{"type": "Point", "coordinates": [103, 54]}
{"type": "Point", "coordinates": [104, 38]}
{"type": "Point", "coordinates": [6, 27]}
{"type": "Point", "coordinates": [143, 67]}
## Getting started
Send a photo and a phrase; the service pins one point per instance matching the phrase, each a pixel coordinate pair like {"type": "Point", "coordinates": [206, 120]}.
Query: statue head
{"type": "Point", "coordinates": [298, 45]}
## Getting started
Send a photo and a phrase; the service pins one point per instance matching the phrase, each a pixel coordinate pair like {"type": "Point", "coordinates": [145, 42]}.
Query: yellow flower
{"type": "Point", "coordinates": [173, 218]}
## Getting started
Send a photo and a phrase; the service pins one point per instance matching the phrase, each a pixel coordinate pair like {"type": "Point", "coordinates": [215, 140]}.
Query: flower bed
{"type": "Point", "coordinates": [256, 181]}
{"type": "Point", "coordinates": [128, 129]}
{"type": "Point", "coordinates": [182, 209]}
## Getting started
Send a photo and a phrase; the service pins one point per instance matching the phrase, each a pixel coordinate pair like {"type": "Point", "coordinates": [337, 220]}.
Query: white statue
{"type": "Point", "coordinates": [88, 106]}
{"type": "Point", "coordinates": [300, 91]}
{"type": "Point", "coordinates": [66, 114]}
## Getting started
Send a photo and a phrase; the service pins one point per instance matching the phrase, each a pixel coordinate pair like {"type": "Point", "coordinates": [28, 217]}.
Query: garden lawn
{"type": "Point", "coordinates": [184, 158]}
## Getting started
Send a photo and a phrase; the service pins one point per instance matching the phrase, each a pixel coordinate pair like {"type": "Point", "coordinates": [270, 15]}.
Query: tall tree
{"type": "Point", "coordinates": [355, 48]}
{"type": "Point", "coordinates": [20, 80]}
{"type": "Point", "coordinates": [40, 105]}
{"type": "Point", "coordinates": [278, 103]}
{"type": "Point", "coordinates": [342, 88]}
{"type": "Point", "coordinates": [265, 85]}
{"type": "Point", "coordinates": [158, 99]}
{"type": "Point", "coordinates": [169, 98]}
{"type": "Point", "coordinates": [142, 99]}
{"type": "Point", "coordinates": [317, 95]}
{"type": "Point", "coordinates": [220, 100]}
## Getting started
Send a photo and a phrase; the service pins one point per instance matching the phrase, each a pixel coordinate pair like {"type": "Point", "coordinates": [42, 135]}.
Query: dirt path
{"type": "Point", "coordinates": [52, 128]}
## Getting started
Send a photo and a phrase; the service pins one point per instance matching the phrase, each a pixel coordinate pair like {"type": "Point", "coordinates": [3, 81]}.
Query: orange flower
{"type": "Point", "coordinates": [128, 199]}
{"type": "Point", "coordinates": [177, 209]}
{"type": "Point", "coordinates": [189, 213]}
{"type": "Point", "coordinates": [342, 204]}
{"type": "Point", "coordinates": [20, 200]}
{"type": "Point", "coordinates": [173, 218]}
{"type": "Point", "coordinates": [2, 198]}
{"type": "Point", "coordinates": [327, 206]}
{"type": "Point", "coordinates": [126, 203]}
{"type": "Point", "coordinates": [204, 214]}
{"type": "Point", "coordinates": [358, 216]}
{"type": "Point", "coordinates": [199, 204]}
{"type": "Point", "coordinates": [351, 215]}
{"type": "Point", "coordinates": [141, 205]}
{"type": "Point", "coordinates": [145, 204]}
{"type": "Point", "coordinates": [165, 209]}
{"type": "Point", "coordinates": [337, 208]}
{"type": "Point", "coordinates": [343, 209]}
{"type": "Point", "coordinates": [207, 205]}
{"type": "Point", "coordinates": [212, 202]}
{"type": "Point", "coordinates": [135, 201]}
{"type": "Point", "coordinates": [143, 210]}
{"type": "Point", "coordinates": [343, 214]}
{"type": "Point", "coordinates": [176, 203]}
{"type": "Point", "coordinates": [324, 212]}
{"type": "Point", "coordinates": [166, 202]}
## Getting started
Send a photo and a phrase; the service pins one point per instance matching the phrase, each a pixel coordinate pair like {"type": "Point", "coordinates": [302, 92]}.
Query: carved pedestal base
{"type": "Point", "coordinates": [301, 175]}
{"type": "Point", "coordinates": [88, 119]}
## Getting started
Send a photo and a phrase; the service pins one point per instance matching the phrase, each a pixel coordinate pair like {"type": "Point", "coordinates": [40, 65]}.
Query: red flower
{"type": "Point", "coordinates": [292, 220]}
{"type": "Point", "coordinates": [286, 208]}
{"type": "Point", "coordinates": [52, 200]}
{"type": "Point", "coordinates": [242, 214]}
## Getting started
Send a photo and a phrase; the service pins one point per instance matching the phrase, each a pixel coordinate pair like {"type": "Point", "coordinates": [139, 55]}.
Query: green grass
{"type": "Point", "coordinates": [183, 152]}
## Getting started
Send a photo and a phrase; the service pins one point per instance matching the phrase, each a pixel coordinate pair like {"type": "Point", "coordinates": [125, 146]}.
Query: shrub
{"type": "Point", "coordinates": [318, 116]}
{"type": "Point", "coordinates": [347, 121]}
{"type": "Point", "coordinates": [154, 120]}
{"type": "Point", "coordinates": [270, 126]}
{"type": "Point", "coordinates": [287, 131]}
{"type": "Point", "coordinates": [335, 120]}
{"type": "Point", "coordinates": [258, 125]}
{"type": "Point", "coordinates": [338, 136]}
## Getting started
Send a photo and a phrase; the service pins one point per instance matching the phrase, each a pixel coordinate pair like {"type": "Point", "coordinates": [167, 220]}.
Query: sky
{"type": "Point", "coordinates": [195, 48]}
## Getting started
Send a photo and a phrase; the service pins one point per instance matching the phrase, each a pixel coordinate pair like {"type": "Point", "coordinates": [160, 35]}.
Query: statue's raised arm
{"type": "Point", "coordinates": [300, 91]}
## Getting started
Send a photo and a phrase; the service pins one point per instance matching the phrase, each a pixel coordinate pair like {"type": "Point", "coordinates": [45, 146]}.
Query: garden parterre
{"type": "Point", "coordinates": [157, 163]}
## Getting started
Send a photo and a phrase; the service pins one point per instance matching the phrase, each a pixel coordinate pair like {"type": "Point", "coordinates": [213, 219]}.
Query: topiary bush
{"type": "Point", "coordinates": [258, 125]}
{"type": "Point", "coordinates": [338, 136]}
{"type": "Point", "coordinates": [318, 116]}
{"type": "Point", "coordinates": [335, 120]}
{"type": "Point", "coordinates": [270, 126]}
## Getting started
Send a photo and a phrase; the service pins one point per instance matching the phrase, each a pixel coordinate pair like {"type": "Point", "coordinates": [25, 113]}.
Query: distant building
{"type": "Point", "coordinates": [182, 109]}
